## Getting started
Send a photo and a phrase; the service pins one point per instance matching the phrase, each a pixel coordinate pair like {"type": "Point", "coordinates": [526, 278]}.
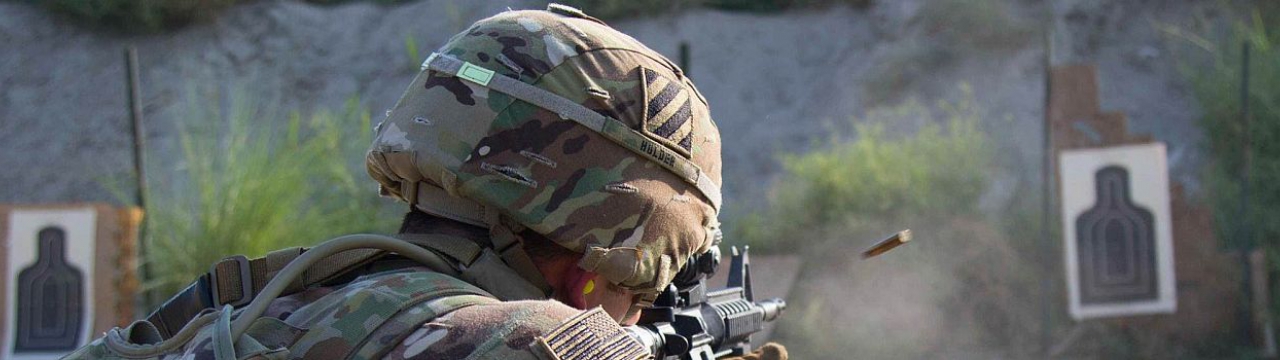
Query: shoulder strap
{"type": "Point", "coordinates": [236, 280]}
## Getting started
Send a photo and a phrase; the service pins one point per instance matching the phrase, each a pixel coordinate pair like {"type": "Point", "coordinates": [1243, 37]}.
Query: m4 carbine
{"type": "Point", "coordinates": [689, 322]}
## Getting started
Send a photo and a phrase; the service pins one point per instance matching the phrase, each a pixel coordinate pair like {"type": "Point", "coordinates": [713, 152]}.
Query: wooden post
{"type": "Point", "coordinates": [1259, 291]}
{"type": "Point", "coordinates": [139, 168]}
{"type": "Point", "coordinates": [1046, 199]}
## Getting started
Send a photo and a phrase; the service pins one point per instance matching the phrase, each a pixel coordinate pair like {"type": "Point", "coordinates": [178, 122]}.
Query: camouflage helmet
{"type": "Point", "coordinates": [555, 122]}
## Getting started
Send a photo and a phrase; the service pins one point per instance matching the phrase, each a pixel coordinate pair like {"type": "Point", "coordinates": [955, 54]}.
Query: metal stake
{"type": "Point", "coordinates": [139, 169]}
{"type": "Point", "coordinates": [1046, 211]}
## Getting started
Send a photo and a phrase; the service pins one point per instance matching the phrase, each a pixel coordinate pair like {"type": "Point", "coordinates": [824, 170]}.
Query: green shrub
{"type": "Point", "coordinates": [964, 284]}
{"type": "Point", "coordinates": [779, 5]}
{"type": "Point", "coordinates": [246, 186]}
{"type": "Point", "coordinates": [940, 169]}
{"type": "Point", "coordinates": [622, 9]}
{"type": "Point", "coordinates": [139, 15]}
{"type": "Point", "coordinates": [411, 52]}
{"type": "Point", "coordinates": [146, 16]}
{"type": "Point", "coordinates": [1214, 69]}
{"type": "Point", "coordinates": [332, 2]}
{"type": "Point", "coordinates": [1210, 59]}
{"type": "Point", "coordinates": [976, 24]}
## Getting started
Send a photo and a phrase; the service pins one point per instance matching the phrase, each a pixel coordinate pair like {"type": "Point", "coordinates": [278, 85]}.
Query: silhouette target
{"type": "Point", "coordinates": [50, 300]}
{"type": "Point", "coordinates": [1117, 243]}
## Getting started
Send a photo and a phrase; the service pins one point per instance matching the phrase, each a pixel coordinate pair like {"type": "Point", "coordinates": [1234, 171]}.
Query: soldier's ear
{"type": "Point", "coordinates": [578, 285]}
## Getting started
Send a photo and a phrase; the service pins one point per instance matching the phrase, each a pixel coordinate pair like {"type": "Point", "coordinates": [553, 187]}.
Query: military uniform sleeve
{"type": "Point", "coordinates": [545, 330]}
{"type": "Point", "coordinates": [507, 330]}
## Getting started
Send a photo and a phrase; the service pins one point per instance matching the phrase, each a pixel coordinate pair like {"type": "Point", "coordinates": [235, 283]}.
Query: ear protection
{"type": "Point", "coordinates": [578, 284]}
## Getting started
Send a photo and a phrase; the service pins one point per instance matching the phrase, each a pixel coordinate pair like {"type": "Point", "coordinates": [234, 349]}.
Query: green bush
{"type": "Point", "coordinates": [964, 283]}
{"type": "Point", "coordinates": [411, 52]}
{"type": "Point", "coordinates": [331, 2]}
{"type": "Point", "coordinates": [939, 170]}
{"type": "Point", "coordinates": [622, 9]}
{"type": "Point", "coordinates": [247, 185]}
{"type": "Point", "coordinates": [779, 5]}
{"type": "Point", "coordinates": [976, 24]}
{"type": "Point", "coordinates": [139, 15]}
{"type": "Point", "coordinates": [146, 16]}
{"type": "Point", "coordinates": [1211, 60]}
{"type": "Point", "coordinates": [1214, 69]}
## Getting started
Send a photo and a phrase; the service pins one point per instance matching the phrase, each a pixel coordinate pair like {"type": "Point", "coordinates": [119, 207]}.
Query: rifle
{"type": "Point", "coordinates": [689, 323]}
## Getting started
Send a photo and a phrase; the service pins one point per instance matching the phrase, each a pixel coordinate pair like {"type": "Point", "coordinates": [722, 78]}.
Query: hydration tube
{"type": "Point", "coordinates": [343, 243]}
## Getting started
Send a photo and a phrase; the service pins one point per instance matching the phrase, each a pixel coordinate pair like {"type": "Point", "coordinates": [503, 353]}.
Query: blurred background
{"type": "Point", "coordinates": [843, 121]}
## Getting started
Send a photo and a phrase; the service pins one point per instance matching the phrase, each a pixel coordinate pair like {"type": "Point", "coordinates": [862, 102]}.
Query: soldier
{"type": "Point", "coordinates": [561, 172]}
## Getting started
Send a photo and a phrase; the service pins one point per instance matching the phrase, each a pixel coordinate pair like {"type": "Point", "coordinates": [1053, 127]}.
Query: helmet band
{"type": "Point", "coordinates": [611, 129]}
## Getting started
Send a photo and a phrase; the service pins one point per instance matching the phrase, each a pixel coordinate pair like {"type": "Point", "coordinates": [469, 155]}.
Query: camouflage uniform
{"type": "Point", "coordinates": [484, 328]}
{"type": "Point", "coordinates": [400, 314]}
{"type": "Point", "coordinates": [548, 121]}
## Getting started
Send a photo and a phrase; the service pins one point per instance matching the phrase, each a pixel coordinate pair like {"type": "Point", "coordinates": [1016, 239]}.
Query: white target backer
{"type": "Point", "coordinates": [49, 263]}
{"type": "Point", "coordinates": [1117, 231]}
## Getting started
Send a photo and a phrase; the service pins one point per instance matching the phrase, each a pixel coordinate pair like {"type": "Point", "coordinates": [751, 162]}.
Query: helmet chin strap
{"type": "Point", "coordinates": [502, 232]}
{"type": "Point", "coordinates": [437, 201]}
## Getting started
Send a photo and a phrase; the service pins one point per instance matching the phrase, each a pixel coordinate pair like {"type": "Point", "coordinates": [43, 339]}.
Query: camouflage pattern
{"type": "Point", "coordinates": [506, 330]}
{"type": "Point", "coordinates": [406, 314]}
{"type": "Point", "coordinates": [636, 222]}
